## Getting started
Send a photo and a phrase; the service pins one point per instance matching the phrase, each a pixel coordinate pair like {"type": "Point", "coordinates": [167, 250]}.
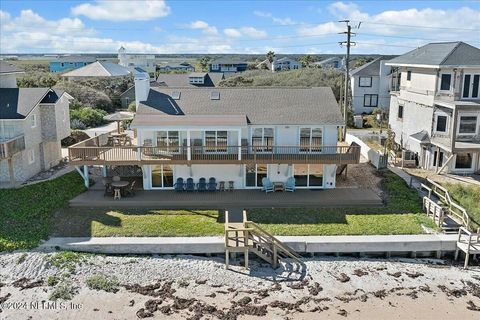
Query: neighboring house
{"type": "Point", "coordinates": [105, 69]}
{"type": "Point", "coordinates": [370, 85]}
{"type": "Point", "coordinates": [67, 63]}
{"type": "Point", "coordinates": [226, 65]}
{"type": "Point", "coordinates": [179, 80]}
{"type": "Point", "coordinates": [32, 123]}
{"type": "Point", "coordinates": [336, 63]}
{"type": "Point", "coordinates": [183, 66]}
{"type": "Point", "coordinates": [280, 64]}
{"type": "Point", "coordinates": [132, 61]}
{"type": "Point", "coordinates": [435, 113]}
{"type": "Point", "coordinates": [232, 134]}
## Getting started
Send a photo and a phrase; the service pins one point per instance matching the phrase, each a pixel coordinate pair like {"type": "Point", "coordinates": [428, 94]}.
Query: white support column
{"type": "Point", "coordinates": [139, 143]}
{"type": "Point", "coordinates": [85, 176]}
{"type": "Point", "coordinates": [189, 148]}
{"type": "Point", "coordinates": [239, 144]}
{"type": "Point", "coordinates": [104, 170]}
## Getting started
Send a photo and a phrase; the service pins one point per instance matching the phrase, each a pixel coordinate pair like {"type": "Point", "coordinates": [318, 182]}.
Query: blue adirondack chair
{"type": "Point", "coordinates": [190, 186]}
{"type": "Point", "coordinates": [290, 185]}
{"type": "Point", "coordinates": [202, 185]}
{"type": "Point", "coordinates": [267, 185]}
{"type": "Point", "coordinates": [212, 184]}
{"type": "Point", "coordinates": [179, 185]}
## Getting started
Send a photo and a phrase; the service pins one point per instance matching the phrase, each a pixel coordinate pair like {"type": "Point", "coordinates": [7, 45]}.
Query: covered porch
{"type": "Point", "coordinates": [168, 199]}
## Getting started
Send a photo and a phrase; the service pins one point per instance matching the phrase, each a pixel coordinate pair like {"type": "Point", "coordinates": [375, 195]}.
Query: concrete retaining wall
{"type": "Point", "coordinates": [215, 245]}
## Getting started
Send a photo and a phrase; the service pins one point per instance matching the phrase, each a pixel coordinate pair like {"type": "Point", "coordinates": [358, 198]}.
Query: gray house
{"type": "Point", "coordinates": [183, 66]}
{"type": "Point", "coordinates": [435, 112]}
{"type": "Point", "coordinates": [32, 123]}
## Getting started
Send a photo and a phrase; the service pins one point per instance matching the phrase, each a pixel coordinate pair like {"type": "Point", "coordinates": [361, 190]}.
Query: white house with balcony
{"type": "Point", "coordinates": [132, 61]}
{"type": "Point", "coordinates": [370, 85]}
{"type": "Point", "coordinates": [231, 134]}
{"type": "Point", "coordinates": [435, 112]}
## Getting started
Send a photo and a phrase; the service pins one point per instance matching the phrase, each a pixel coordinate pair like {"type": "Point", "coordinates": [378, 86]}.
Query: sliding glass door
{"type": "Point", "coordinates": [162, 176]}
{"type": "Point", "coordinates": [254, 175]}
{"type": "Point", "coordinates": [308, 175]}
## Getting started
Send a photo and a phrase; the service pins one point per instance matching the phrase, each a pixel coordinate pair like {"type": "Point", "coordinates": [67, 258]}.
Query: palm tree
{"type": "Point", "coordinates": [306, 60]}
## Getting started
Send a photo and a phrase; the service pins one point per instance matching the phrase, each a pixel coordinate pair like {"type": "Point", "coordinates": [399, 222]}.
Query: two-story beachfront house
{"type": "Point", "coordinates": [230, 134]}
{"type": "Point", "coordinates": [32, 123]}
{"type": "Point", "coordinates": [132, 61]}
{"type": "Point", "coordinates": [182, 66]}
{"type": "Point", "coordinates": [370, 85]}
{"type": "Point", "coordinates": [335, 63]}
{"type": "Point", "coordinates": [66, 63]}
{"type": "Point", "coordinates": [227, 65]}
{"type": "Point", "coordinates": [435, 113]}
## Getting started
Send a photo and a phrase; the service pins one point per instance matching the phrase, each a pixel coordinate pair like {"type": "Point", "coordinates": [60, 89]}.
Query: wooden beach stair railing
{"type": "Point", "coordinates": [244, 236]}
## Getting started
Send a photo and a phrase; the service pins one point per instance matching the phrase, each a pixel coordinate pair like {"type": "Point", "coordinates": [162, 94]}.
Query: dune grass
{"type": "Point", "coordinates": [468, 196]}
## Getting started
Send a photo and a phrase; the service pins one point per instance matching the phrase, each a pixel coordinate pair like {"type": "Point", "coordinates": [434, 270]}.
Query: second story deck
{"type": "Point", "coordinates": [101, 151]}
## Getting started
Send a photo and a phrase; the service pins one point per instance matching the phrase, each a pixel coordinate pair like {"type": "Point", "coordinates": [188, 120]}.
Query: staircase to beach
{"type": "Point", "coordinates": [246, 236]}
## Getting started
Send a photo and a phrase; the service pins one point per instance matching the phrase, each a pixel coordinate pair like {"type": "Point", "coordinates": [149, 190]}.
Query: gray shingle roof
{"type": "Point", "coordinates": [371, 68]}
{"type": "Point", "coordinates": [181, 80]}
{"type": "Point", "coordinates": [75, 59]}
{"type": "Point", "coordinates": [99, 69]}
{"type": "Point", "coordinates": [261, 105]}
{"type": "Point", "coordinates": [6, 67]}
{"type": "Point", "coordinates": [421, 136]}
{"type": "Point", "coordinates": [441, 54]}
{"type": "Point", "coordinates": [227, 61]}
{"type": "Point", "coordinates": [17, 103]}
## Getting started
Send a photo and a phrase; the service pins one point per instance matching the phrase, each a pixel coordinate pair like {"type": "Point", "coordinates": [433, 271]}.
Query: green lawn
{"type": "Point", "coordinates": [25, 213]}
{"type": "Point", "coordinates": [401, 215]}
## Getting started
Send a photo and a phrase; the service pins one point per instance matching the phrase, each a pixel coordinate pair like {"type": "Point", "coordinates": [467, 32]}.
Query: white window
{"type": "Point", "coordinates": [370, 100]}
{"type": "Point", "coordinates": [216, 141]}
{"type": "Point", "coordinates": [308, 175]}
{"type": "Point", "coordinates": [471, 86]}
{"type": "Point", "coordinates": [441, 123]}
{"type": "Point", "coordinates": [446, 81]}
{"type": "Point", "coordinates": [310, 139]}
{"type": "Point", "coordinates": [31, 156]}
{"type": "Point", "coordinates": [34, 120]}
{"type": "Point", "coordinates": [168, 140]}
{"type": "Point", "coordinates": [464, 161]}
{"type": "Point", "coordinates": [365, 82]}
{"type": "Point", "coordinates": [468, 125]}
{"type": "Point", "coordinates": [215, 66]}
{"type": "Point", "coordinates": [263, 139]}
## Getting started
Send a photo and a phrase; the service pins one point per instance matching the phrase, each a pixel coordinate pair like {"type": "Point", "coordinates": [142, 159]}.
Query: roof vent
{"type": "Point", "coordinates": [176, 95]}
{"type": "Point", "coordinates": [214, 95]}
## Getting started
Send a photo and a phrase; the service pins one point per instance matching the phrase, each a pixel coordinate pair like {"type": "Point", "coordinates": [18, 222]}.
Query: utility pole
{"type": "Point", "coordinates": [347, 43]}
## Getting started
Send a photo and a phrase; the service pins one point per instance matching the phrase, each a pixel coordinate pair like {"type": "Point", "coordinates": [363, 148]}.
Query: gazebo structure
{"type": "Point", "coordinates": [119, 117]}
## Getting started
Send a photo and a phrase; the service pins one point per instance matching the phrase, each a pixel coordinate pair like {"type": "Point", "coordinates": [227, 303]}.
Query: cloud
{"type": "Point", "coordinates": [31, 33]}
{"type": "Point", "coordinates": [205, 27]}
{"type": "Point", "coordinates": [249, 32]}
{"type": "Point", "coordinates": [323, 29]}
{"type": "Point", "coordinates": [282, 21]}
{"type": "Point", "coordinates": [113, 10]}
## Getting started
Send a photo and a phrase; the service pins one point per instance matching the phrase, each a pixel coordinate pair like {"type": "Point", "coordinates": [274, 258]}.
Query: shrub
{"type": "Point", "coordinates": [77, 124]}
{"type": "Point", "coordinates": [132, 107]}
{"type": "Point", "coordinates": [22, 258]}
{"type": "Point", "coordinates": [64, 291]}
{"type": "Point", "coordinates": [74, 137]}
{"type": "Point", "coordinates": [88, 116]}
{"type": "Point", "coordinates": [103, 282]}
{"type": "Point", "coordinates": [52, 281]}
{"type": "Point", "coordinates": [26, 212]}
{"type": "Point", "coordinates": [65, 260]}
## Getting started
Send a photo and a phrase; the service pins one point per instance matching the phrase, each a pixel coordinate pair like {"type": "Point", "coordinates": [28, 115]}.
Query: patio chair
{"type": "Point", "coordinates": [179, 185]}
{"type": "Point", "coordinates": [202, 185]}
{"type": "Point", "coordinates": [221, 186]}
{"type": "Point", "coordinates": [231, 185]}
{"type": "Point", "coordinates": [116, 178]}
{"type": "Point", "coordinates": [108, 188]}
{"type": "Point", "coordinates": [267, 185]}
{"type": "Point", "coordinates": [190, 186]}
{"type": "Point", "coordinates": [130, 191]}
{"type": "Point", "coordinates": [212, 184]}
{"type": "Point", "coordinates": [290, 185]}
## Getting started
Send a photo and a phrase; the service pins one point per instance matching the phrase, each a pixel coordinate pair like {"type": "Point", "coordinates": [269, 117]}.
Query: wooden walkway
{"type": "Point", "coordinates": [163, 199]}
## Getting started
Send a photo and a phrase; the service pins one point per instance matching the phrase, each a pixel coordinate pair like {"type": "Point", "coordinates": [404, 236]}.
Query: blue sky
{"type": "Point", "coordinates": [387, 27]}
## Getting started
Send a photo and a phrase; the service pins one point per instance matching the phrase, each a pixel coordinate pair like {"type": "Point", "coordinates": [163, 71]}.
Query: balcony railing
{"type": "Point", "coordinates": [90, 152]}
{"type": "Point", "coordinates": [11, 146]}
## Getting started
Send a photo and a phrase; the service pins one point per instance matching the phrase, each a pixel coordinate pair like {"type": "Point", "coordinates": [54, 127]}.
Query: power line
{"type": "Point", "coordinates": [415, 26]}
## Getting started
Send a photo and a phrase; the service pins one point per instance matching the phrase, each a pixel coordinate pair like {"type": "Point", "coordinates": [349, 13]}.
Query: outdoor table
{"type": "Point", "coordinates": [120, 184]}
{"type": "Point", "coordinates": [278, 186]}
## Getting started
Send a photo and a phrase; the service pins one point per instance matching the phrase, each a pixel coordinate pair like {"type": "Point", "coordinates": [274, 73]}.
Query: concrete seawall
{"type": "Point", "coordinates": [389, 244]}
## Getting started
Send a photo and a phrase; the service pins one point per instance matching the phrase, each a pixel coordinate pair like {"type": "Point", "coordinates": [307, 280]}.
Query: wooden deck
{"type": "Point", "coordinates": [247, 199]}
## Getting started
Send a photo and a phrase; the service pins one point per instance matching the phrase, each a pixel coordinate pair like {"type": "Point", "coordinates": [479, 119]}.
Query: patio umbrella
{"type": "Point", "coordinates": [119, 117]}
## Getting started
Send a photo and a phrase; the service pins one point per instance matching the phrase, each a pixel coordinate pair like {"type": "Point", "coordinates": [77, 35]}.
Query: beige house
{"type": "Point", "coordinates": [32, 123]}
{"type": "Point", "coordinates": [435, 112]}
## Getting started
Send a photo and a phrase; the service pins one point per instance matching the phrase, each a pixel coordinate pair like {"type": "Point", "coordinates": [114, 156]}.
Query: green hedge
{"type": "Point", "coordinates": [25, 213]}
